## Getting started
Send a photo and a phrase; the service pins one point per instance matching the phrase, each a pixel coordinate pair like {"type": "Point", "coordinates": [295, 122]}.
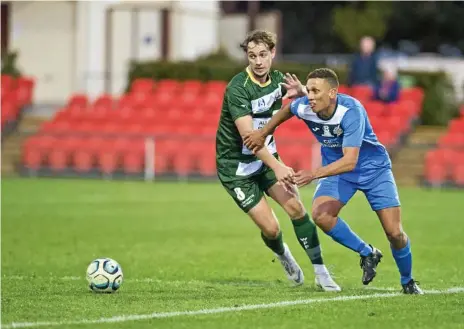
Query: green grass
{"type": "Point", "coordinates": [186, 247]}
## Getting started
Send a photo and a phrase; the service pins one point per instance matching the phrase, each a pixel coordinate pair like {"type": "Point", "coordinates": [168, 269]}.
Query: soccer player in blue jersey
{"type": "Point", "coordinates": [353, 159]}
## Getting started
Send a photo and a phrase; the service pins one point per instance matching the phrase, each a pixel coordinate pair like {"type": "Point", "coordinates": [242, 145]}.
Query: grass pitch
{"type": "Point", "coordinates": [187, 247]}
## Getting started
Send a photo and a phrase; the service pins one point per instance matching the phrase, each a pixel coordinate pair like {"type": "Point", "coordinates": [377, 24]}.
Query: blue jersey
{"type": "Point", "coordinates": [349, 126]}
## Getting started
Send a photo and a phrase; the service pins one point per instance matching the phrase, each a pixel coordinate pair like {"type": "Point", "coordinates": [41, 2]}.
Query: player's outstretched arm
{"type": "Point", "coordinates": [345, 164]}
{"type": "Point", "coordinates": [353, 124]}
{"type": "Point", "coordinates": [254, 140]}
{"type": "Point", "coordinates": [283, 173]}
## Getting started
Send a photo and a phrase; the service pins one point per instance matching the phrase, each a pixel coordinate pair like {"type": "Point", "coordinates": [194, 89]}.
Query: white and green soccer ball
{"type": "Point", "coordinates": [104, 275]}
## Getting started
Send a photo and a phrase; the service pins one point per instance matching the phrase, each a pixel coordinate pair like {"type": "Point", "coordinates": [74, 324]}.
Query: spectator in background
{"type": "Point", "coordinates": [364, 66]}
{"type": "Point", "coordinates": [388, 89]}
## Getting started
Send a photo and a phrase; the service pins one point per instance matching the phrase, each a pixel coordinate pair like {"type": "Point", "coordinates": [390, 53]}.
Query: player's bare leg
{"type": "Point", "coordinates": [325, 213]}
{"type": "Point", "coordinates": [306, 233]}
{"type": "Point", "coordinates": [400, 246]}
{"type": "Point", "coordinates": [265, 219]}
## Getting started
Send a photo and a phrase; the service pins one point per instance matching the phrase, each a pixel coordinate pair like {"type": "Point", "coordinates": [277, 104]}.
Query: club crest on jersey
{"type": "Point", "coordinates": [338, 131]}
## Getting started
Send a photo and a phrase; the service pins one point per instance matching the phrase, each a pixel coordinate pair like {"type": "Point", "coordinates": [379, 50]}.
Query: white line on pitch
{"type": "Point", "coordinates": [142, 280]}
{"type": "Point", "coordinates": [125, 318]}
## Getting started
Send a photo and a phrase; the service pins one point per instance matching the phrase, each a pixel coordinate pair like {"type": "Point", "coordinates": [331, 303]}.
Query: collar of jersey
{"type": "Point", "coordinates": [252, 78]}
{"type": "Point", "coordinates": [336, 107]}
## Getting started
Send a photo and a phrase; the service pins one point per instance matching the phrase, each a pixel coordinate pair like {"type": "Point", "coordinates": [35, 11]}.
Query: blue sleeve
{"type": "Point", "coordinates": [294, 106]}
{"type": "Point", "coordinates": [353, 125]}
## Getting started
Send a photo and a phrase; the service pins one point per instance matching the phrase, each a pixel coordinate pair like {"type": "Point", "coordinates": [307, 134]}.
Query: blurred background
{"type": "Point", "coordinates": [133, 89]}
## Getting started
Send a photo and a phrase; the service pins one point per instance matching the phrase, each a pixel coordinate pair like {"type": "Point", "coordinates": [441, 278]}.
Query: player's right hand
{"type": "Point", "coordinates": [254, 140]}
{"type": "Point", "coordinates": [285, 176]}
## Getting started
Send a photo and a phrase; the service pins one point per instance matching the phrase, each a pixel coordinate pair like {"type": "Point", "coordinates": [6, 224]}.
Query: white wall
{"type": "Point", "coordinates": [62, 44]}
{"type": "Point", "coordinates": [43, 33]}
{"type": "Point", "coordinates": [195, 29]}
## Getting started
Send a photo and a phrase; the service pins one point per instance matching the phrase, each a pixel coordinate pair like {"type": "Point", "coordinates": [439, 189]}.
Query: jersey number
{"type": "Point", "coordinates": [239, 193]}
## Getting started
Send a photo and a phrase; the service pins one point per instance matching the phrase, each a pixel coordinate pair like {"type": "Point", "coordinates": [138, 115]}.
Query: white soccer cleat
{"type": "Point", "coordinates": [326, 283]}
{"type": "Point", "coordinates": [291, 267]}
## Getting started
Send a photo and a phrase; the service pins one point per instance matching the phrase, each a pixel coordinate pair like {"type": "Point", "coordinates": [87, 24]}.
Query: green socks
{"type": "Point", "coordinates": [276, 245]}
{"type": "Point", "coordinates": [306, 232]}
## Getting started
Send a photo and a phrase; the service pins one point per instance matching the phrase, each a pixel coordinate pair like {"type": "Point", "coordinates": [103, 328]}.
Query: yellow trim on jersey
{"type": "Point", "coordinates": [252, 78]}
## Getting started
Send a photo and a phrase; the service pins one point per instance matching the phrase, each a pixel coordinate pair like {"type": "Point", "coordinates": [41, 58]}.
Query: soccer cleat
{"type": "Point", "coordinates": [291, 267]}
{"type": "Point", "coordinates": [412, 288]}
{"type": "Point", "coordinates": [326, 283]}
{"type": "Point", "coordinates": [369, 265]}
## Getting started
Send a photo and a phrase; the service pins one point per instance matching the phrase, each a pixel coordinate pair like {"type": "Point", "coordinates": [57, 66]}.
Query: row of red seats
{"type": "Point", "coordinates": [177, 123]}
{"type": "Point", "coordinates": [17, 90]}
{"type": "Point", "coordinates": [181, 156]}
{"type": "Point", "coordinates": [173, 108]}
{"type": "Point", "coordinates": [147, 86]}
{"type": "Point", "coordinates": [143, 93]}
{"type": "Point", "coordinates": [407, 109]}
{"type": "Point", "coordinates": [15, 93]}
{"type": "Point", "coordinates": [167, 92]}
{"type": "Point", "coordinates": [444, 165]}
{"type": "Point", "coordinates": [387, 136]}
{"type": "Point", "coordinates": [454, 136]}
{"type": "Point", "coordinates": [445, 162]}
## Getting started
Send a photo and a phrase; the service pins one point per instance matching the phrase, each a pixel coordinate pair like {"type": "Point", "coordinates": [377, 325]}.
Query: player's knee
{"type": "Point", "coordinates": [295, 208]}
{"type": "Point", "coordinates": [323, 217]}
{"type": "Point", "coordinates": [396, 236]}
{"type": "Point", "coordinates": [271, 231]}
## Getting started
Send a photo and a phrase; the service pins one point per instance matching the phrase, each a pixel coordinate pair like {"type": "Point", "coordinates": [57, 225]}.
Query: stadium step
{"type": "Point", "coordinates": [408, 163]}
{"type": "Point", "coordinates": [11, 146]}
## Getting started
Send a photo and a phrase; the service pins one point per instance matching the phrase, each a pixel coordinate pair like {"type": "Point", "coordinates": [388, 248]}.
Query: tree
{"type": "Point", "coordinates": [351, 22]}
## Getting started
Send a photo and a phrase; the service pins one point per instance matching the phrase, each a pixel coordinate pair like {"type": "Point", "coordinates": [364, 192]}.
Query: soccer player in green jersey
{"type": "Point", "coordinates": [250, 100]}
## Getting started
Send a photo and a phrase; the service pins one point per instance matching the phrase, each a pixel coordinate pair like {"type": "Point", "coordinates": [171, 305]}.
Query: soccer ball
{"type": "Point", "coordinates": [104, 275]}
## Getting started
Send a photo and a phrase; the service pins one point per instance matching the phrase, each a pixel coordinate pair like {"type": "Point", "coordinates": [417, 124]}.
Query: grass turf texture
{"type": "Point", "coordinates": [187, 247]}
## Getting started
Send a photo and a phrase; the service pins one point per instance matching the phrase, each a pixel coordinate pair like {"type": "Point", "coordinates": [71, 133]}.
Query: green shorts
{"type": "Point", "coordinates": [248, 191]}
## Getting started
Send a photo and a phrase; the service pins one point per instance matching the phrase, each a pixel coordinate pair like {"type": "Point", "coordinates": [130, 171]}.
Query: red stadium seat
{"type": "Point", "coordinates": [25, 87]}
{"type": "Point", "coordinates": [32, 158]}
{"type": "Point", "coordinates": [107, 161]}
{"type": "Point", "coordinates": [207, 161]}
{"type": "Point", "coordinates": [456, 126]}
{"type": "Point", "coordinates": [458, 174]}
{"type": "Point", "coordinates": [133, 162]}
{"type": "Point", "coordinates": [435, 173]}
{"type": "Point", "coordinates": [8, 82]}
{"type": "Point", "coordinates": [125, 103]}
{"type": "Point", "coordinates": [451, 140]}
{"type": "Point", "coordinates": [168, 86]}
{"type": "Point", "coordinates": [103, 102]}
{"type": "Point", "coordinates": [362, 93]}
{"type": "Point", "coordinates": [192, 86]}
{"type": "Point", "coordinates": [83, 160]}
{"type": "Point", "coordinates": [387, 137]}
{"type": "Point", "coordinates": [57, 159]}
{"type": "Point", "coordinates": [78, 101]}
{"type": "Point", "coordinates": [414, 94]}
{"type": "Point", "coordinates": [143, 85]}
{"type": "Point", "coordinates": [217, 87]}
{"type": "Point", "coordinates": [344, 89]}
{"type": "Point", "coordinates": [374, 108]}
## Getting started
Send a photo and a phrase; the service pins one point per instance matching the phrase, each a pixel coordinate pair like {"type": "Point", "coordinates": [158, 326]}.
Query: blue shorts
{"type": "Point", "coordinates": [380, 191]}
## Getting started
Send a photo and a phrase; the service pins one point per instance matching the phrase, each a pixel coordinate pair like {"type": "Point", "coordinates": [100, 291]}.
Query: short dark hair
{"type": "Point", "coordinates": [260, 36]}
{"type": "Point", "coordinates": [324, 73]}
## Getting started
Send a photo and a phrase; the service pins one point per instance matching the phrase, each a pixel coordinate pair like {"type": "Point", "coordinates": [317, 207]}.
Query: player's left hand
{"type": "Point", "coordinates": [303, 177]}
{"type": "Point", "coordinates": [294, 87]}
{"type": "Point", "coordinates": [254, 140]}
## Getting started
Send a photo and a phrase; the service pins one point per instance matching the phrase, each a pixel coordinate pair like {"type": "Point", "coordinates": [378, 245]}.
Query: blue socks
{"type": "Point", "coordinates": [403, 259]}
{"type": "Point", "coordinates": [343, 234]}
